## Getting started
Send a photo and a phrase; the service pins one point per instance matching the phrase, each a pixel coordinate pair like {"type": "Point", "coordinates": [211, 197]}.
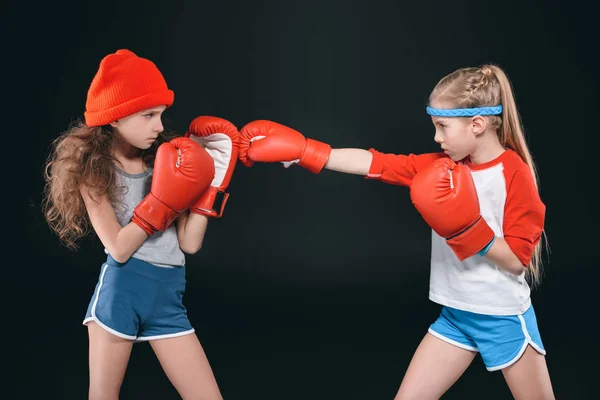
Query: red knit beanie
{"type": "Point", "coordinates": [124, 84]}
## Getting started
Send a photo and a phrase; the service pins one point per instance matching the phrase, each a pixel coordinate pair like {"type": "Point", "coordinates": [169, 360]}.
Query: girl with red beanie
{"type": "Point", "coordinates": [118, 173]}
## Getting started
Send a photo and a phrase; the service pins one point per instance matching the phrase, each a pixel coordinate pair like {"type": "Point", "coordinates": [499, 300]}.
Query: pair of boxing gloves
{"type": "Point", "coordinates": [193, 172]}
{"type": "Point", "coordinates": [190, 172]}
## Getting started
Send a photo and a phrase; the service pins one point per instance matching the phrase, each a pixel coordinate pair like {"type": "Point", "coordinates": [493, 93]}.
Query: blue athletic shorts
{"type": "Point", "coordinates": [139, 301]}
{"type": "Point", "coordinates": [501, 339]}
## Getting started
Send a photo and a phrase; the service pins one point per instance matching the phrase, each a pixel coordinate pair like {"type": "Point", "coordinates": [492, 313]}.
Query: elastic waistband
{"type": "Point", "coordinates": [175, 274]}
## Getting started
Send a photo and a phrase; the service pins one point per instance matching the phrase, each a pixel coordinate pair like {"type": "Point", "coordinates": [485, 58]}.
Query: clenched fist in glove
{"type": "Point", "coordinates": [269, 141]}
{"type": "Point", "coordinates": [445, 196]}
{"type": "Point", "coordinates": [182, 172]}
{"type": "Point", "coordinates": [221, 139]}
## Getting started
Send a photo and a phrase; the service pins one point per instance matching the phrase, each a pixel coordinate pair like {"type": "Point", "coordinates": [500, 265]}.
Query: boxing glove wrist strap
{"type": "Point", "coordinates": [211, 203]}
{"type": "Point", "coordinates": [315, 155]}
{"type": "Point", "coordinates": [470, 241]}
{"type": "Point", "coordinates": [153, 215]}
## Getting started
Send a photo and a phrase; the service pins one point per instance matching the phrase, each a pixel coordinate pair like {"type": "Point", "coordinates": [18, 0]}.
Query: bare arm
{"type": "Point", "coordinates": [191, 228]}
{"type": "Point", "coordinates": [350, 161]}
{"type": "Point", "coordinates": [501, 254]}
{"type": "Point", "coordinates": [120, 242]}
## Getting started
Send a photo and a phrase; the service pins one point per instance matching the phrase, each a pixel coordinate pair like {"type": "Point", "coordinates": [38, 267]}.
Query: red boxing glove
{"type": "Point", "coordinates": [269, 141]}
{"type": "Point", "coordinates": [182, 172]}
{"type": "Point", "coordinates": [221, 139]}
{"type": "Point", "coordinates": [445, 196]}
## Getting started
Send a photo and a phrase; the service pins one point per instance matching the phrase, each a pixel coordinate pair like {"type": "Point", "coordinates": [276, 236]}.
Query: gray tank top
{"type": "Point", "coordinates": [162, 248]}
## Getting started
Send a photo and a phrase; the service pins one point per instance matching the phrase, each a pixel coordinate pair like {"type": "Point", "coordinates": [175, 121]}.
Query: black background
{"type": "Point", "coordinates": [310, 287]}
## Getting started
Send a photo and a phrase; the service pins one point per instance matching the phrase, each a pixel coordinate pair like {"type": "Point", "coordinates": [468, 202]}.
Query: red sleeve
{"type": "Point", "coordinates": [399, 169]}
{"type": "Point", "coordinates": [524, 215]}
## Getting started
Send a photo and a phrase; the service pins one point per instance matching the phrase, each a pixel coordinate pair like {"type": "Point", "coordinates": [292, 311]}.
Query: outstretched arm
{"type": "Point", "coordinates": [268, 141]}
{"type": "Point", "coordinates": [350, 161]}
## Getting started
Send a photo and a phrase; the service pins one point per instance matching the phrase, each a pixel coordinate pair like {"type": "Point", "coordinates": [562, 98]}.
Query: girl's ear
{"type": "Point", "coordinates": [478, 124]}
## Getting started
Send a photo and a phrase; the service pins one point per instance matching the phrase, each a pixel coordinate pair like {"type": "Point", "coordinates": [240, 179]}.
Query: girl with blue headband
{"type": "Point", "coordinates": [479, 195]}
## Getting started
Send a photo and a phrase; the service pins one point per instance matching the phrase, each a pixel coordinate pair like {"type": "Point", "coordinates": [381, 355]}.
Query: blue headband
{"type": "Point", "coordinates": [464, 112]}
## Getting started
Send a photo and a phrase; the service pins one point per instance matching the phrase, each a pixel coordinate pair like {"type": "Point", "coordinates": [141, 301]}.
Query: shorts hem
{"type": "Point", "coordinates": [527, 341]}
{"type": "Point", "coordinates": [517, 357]}
{"type": "Point", "coordinates": [166, 336]}
{"type": "Point", "coordinates": [452, 342]}
{"type": "Point", "coordinates": [107, 328]}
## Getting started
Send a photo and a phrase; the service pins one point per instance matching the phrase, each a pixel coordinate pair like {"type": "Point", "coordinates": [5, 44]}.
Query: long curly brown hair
{"type": "Point", "coordinates": [82, 155]}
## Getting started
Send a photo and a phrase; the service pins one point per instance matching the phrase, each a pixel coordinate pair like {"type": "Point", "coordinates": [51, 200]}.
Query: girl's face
{"type": "Point", "coordinates": [142, 128]}
{"type": "Point", "coordinates": [454, 134]}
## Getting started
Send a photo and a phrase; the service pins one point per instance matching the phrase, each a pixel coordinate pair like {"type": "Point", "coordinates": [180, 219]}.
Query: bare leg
{"type": "Point", "coordinates": [528, 378]}
{"type": "Point", "coordinates": [187, 367]}
{"type": "Point", "coordinates": [434, 368]}
{"type": "Point", "coordinates": [109, 355]}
